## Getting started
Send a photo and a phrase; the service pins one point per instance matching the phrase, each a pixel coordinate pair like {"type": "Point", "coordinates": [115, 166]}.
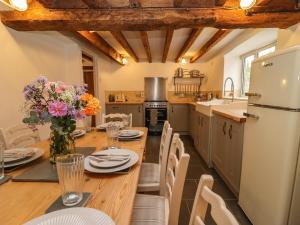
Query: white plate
{"type": "Point", "coordinates": [18, 154]}
{"type": "Point", "coordinates": [79, 133]}
{"type": "Point", "coordinates": [104, 125]}
{"type": "Point", "coordinates": [134, 158]}
{"type": "Point", "coordinates": [107, 163]}
{"type": "Point", "coordinates": [73, 216]}
{"type": "Point", "coordinates": [141, 133]}
{"type": "Point", "coordinates": [38, 152]}
{"type": "Point", "coordinates": [128, 133]}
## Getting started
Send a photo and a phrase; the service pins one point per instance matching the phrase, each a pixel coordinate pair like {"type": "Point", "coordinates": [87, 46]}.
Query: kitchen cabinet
{"type": "Point", "coordinates": [178, 117]}
{"type": "Point", "coordinates": [192, 118]}
{"type": "Point", "coordinates": [227, 148]}
{"type": "Point", "coordinates": [202, 136]}
{"type": "Point", "coordinates": [136, 110]}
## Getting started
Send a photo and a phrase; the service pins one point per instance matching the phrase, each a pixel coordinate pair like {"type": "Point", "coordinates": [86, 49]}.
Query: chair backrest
{"type": "Point", "coordinates": [164, 148]}
{"type": "Point", "coordinates": [117, 117]}
{"type": "Point", "coordinates": [3, 144]}
{"type": "Point", "coordinates": [21, 136]}
{"type": "Point", "coordinates": [205, 196]}
{"type": "Point", "coordinates": [177, 166]}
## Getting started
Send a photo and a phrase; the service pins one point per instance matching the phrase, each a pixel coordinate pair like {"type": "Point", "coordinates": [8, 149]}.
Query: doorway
{"type": "Point", "coordinates": [89, 77]}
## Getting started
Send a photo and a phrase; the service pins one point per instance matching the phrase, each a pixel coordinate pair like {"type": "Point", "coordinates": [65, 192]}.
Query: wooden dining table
{"type": "Point", "coordinates": [112, 194]}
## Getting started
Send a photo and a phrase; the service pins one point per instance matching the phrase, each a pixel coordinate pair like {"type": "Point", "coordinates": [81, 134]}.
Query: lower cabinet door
{"type": "Point", "coordinates": [137, 112]}
{"type": "Point", "coordinates": [219, 143]}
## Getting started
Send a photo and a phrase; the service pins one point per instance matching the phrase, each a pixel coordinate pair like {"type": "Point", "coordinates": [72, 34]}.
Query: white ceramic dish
{"type": "Point", "coordinates": [134, 158]}
{"type": "Point", "coordinates": [108, 163]}
{"type": "Point", "coordinates": [73, 216]}
{"type": "Point", "coordinates": [79, 133]}
{"type": "Point", "coordinates": [141, 133]}
{"type": "Point", "coordinates": [128, 133]}
{"type": "Point", "coordinates": [38, 152]}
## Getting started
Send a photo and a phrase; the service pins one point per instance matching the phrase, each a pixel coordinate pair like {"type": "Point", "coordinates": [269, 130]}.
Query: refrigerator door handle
{"type": "Point", "coordinates": [249, 94]}
{"type": "Point", "coordinates": [249, 115]}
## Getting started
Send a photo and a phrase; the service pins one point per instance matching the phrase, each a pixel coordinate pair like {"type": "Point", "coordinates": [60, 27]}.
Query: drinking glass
{"type": "Point", "coordinates": [70, 170]}
{"type": "Point", "coordinates": [112, 132]}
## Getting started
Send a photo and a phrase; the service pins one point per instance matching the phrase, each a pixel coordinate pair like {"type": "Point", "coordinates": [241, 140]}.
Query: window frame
{"type": "Point", "coordinates": [255, 53]}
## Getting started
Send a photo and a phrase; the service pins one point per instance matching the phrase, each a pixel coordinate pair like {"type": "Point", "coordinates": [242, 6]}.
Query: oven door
{"type": "Point", "coordinates": [155, 119]}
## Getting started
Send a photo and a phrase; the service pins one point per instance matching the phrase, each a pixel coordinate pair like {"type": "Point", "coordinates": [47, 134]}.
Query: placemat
{"type": "Point", "coordinates": [46, 171]}
{"type": "Point", "coordinates": [5, 179]}
{"type": "Point", "coordinates": [58, 204]}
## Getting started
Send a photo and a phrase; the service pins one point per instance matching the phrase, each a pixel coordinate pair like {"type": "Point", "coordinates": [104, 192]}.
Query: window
{"type": "Point", "coordinates": [247, 62]}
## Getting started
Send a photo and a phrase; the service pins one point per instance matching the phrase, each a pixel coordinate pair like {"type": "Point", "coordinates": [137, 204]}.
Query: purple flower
{"type": "Point", "coordinates": [58, 109]}
{"type": "Point", "coordinates": [80, 115]}
{"type": "Point", "coordinates": [42, 80]}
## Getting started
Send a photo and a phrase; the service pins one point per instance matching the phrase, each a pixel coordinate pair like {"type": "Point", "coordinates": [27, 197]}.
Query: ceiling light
{"type": "Point", "coordinates": [183, 61]}
{"type": "Point", "coordinates": [247, 4]}
{"type": "Point", "coordinates": [124, 60]}
{"type": "Point", "coordinates": [20, 5]}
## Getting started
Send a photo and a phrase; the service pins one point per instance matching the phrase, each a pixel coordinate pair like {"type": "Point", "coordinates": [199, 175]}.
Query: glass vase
{"type": "Point", "coordinates": [60, 144]}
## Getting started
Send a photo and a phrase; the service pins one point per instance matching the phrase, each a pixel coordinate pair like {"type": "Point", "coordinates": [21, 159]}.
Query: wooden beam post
{"type": "Point", "coordinates": [177, 3]}
{"type": "Point", "coordinates": [99, 43]}
{"type": "Point", "coordinates": [189, 42]}
{"type": "Point", "coordinates": [211, 43]}
{"type": "Point", "coordinates": [118, 35]}
{"type": "Point", "coordinates": [39, 18]}
{"type": "Point", "coordinates": [168, 40]}
{"type": "Point", "coordinates": [145, 41]}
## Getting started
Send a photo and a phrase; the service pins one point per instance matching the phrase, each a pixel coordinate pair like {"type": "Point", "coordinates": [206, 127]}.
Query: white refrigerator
{"type": "Point", "coordinates": [270, 178]}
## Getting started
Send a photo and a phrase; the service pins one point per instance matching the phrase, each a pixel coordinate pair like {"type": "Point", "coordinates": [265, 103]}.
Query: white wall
{"type": "Point", "coordinates": [25, 56]}
{"type": "Point", "coordinates": [288, 37]}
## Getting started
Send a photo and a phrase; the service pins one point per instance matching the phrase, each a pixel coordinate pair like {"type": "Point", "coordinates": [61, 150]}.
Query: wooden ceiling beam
{"type": "Point", "coordinates": [145, 41]}
{"type": "Point", "coordinates": [178, 3]}
{"type": "Point", "coordinates": [39, 18]}
{"type": "Point", "coordinates": [62, 4]}
{"type": "Point", "coordinates": [97, 3]}
{"type": "Point", "coordinates": [98, 43]}
{"type": "Point", "coordinates": [168, 40]}
{"type": "Point", "coordinates": [189, 42]}
{"type": "Point", "coordinates": [118, 35]}
{"type": "Point", "coordinates": [263, 2]}
{"type": "Point", "coordinates": [210, 44]}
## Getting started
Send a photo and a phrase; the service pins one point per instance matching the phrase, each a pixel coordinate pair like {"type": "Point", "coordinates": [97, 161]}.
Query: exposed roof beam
{"type": "Point", "coordinates": [118, 35]}
{"type": "Point", "coordinates": [145, 41]}
{"type": "Point", "coordinates": [263, 2]}
{"type": "Point", "coordinates": [210, 44]}
{"type": "Point", "coordinates": [177, 3]}
{"type": "Point", "coordinates": [168, 40]}
{"type": "Point", "coordinates": [97, 3]}
{"type": "Point", "coordinates": [54, 4]}
{"type": "Point", "coordinates": [39, 18]}
{"type": "Point", "coordinates": [97, 42]}
{"type": "Point", "coordinates": [189, 42]}
{"type": "Point", "coordinates": [134, 4]}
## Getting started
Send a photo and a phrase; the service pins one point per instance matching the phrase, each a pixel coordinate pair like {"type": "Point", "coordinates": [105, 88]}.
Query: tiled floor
{"type": "Point", "coordinates": [196, 168]}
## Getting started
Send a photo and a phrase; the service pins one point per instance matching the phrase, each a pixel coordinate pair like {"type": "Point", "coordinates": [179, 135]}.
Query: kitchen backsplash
{"type": "Point", "coordinates": [138, 96]}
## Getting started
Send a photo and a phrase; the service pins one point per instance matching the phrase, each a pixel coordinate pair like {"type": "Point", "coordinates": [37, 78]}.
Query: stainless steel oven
{"type": "Point", "coordinates": [156, 113]}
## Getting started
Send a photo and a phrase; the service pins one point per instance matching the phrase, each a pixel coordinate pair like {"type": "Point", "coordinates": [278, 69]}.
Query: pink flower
{"type": "Point", "coordinates": [58, 109]}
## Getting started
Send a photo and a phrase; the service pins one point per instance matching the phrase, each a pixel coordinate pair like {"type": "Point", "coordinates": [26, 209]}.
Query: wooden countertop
{"type": "Point", "coordinates": [182, 102]}
{"type": "Point", "coordinates": [112, 194]}
{"type": "Point", "coordinates": [125, 103]}
{"type": "Point", "coordinates": [233, 114]}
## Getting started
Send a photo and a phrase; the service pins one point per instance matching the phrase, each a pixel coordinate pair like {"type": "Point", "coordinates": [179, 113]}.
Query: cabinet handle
{"type": "Point", "coordinates": [230, 132]}
{"type": "Point", "coordinates": [253, 94]}
{"type": "Point", "coordinates": [139, 108]}
{"type": "Point", "coordinates": [172, 109]}
{"type": "Point", "coordinates": [224, 128]}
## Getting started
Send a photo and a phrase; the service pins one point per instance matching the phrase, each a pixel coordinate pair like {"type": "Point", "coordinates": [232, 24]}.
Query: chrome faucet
{"type": "Point", "coordinates": [232, 87]}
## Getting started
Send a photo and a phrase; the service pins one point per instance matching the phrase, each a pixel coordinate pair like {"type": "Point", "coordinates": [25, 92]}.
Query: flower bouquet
{"type": "Point", "coordinates": [61, 105]}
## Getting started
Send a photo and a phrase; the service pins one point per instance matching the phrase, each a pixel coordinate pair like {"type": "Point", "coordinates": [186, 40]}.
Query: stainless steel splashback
{"type": "Point", "coordinates": [155, 88]}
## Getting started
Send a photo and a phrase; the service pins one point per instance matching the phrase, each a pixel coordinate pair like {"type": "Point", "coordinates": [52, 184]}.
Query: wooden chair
{"type": "Point", "coordinates": [152, 175]}
{"type": "Point", "coordinates": [205, 196]}
{"type": "Point", "coordinates": [21, 136]}
{"type": "Point", "coordinates": [3, 144]}
{"type": "Point", "coordinates": [164, 210]}
{"type": "Point", "coordinates": [117, 117]}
